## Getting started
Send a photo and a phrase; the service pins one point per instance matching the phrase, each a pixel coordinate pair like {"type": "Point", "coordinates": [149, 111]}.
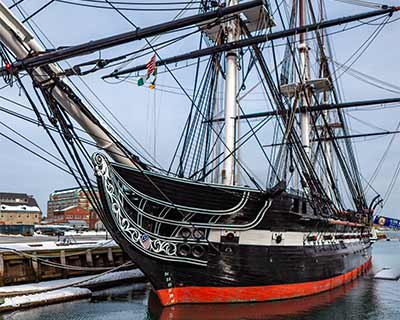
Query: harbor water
{"type": "Point", "coordinates": [365, 298]}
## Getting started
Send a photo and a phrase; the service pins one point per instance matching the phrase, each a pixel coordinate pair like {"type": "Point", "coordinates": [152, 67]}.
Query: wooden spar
{"type": "Point", "coordinates": [362, 135]}
{"type": "Point", "coordinates": [259, 39]}
{"type": "Point", "coordinates": [317, 108]}
{"type": "Point", "coordinates": [352, 136]}
{"type": "Point", "coordinates": [92, 46]}
{"type": "Point", "coordinates": [20, 41]}
{"type": "Point", "coordinates": [89, 47]}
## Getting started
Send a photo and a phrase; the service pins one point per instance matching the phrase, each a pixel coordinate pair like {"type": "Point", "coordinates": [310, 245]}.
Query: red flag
{"type": "Point", "coordinates": [151, 66]}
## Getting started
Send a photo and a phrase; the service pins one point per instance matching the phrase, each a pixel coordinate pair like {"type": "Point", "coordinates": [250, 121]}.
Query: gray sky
{"type": "Point", "coordinates": [134, 107]}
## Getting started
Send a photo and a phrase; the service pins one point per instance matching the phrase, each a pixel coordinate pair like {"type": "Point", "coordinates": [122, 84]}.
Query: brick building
{"type": "Point", "coordinates": [71, 206]}
{"type": "Point", "coordinates": [19, 208]}
{"type": "Point", "coordinates": [77, 217]}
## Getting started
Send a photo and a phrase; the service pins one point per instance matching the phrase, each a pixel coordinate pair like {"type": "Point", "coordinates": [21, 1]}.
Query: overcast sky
{"type": "Point", "coordinates": [134, 106]}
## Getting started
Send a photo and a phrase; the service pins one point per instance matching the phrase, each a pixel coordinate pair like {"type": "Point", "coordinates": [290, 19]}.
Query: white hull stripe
{"type": "Point", "coordinates": [271, 238]}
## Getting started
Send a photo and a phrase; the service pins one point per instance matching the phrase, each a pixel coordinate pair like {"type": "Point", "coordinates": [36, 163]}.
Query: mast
{"type": "Point", "coordinates": [228, 174]}
{"type": "Point", "coordinates": [21, 42]}
{"type": "Point", "coordinates": [304, 74]}
{"type": "Point", "coordinates": [326, 113]}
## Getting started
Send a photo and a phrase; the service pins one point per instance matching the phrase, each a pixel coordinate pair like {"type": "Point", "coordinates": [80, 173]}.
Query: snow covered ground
{"type": "Point", "coordinates": [52, 245]}
{"type": "Point", "coordinates": [80, 281]}
{"type": "Point", "coordinates": [86, 233]}
{"type": "Point", "coordinates": [50, 292]}
{"type": "Point", "coordinates": [44, 298]}
{"type": "Point", "coordinates": [388, 274]}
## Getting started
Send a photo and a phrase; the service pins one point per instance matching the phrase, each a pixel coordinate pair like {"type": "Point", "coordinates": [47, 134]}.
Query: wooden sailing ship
{"type": "Point", "coordinates": [199, 235]}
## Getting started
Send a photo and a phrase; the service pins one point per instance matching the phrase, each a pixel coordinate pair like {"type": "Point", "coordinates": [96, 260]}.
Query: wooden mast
{"type": "Point", "coordinates": [228, 171]}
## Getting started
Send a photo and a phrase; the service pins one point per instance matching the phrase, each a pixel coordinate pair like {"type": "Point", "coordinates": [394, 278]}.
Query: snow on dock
{"type": "Point", "coordinates": [24, 262]}
{"type": "Point", "coordinates": [134, 275]}
{"type": "Point", "coordinates": [36, 261]}
{"type": "Point", "coordinates": [45, 298]}
{"type": "Point", "coordinates": [388, 274]}
{"type": "Point", "coordinates": [52, 245]}
{"type": "Point", "coordinates": [56, 291]}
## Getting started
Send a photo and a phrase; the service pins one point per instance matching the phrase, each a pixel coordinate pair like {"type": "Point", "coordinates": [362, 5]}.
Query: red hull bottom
{"type": "Point", "coordinates": [257, 293]}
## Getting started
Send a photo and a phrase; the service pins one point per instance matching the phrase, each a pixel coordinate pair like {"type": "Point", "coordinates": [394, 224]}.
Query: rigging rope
{"type": "Point", "coordinates": [188, 96]}
{"type": "Point", "coordinates": [117, 132]}
{"type": "Point", "coordinates": [97, 6]}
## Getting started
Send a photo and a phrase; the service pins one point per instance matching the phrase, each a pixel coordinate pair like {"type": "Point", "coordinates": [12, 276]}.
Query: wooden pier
{"type": "Point", "coordinates": [25, 263]}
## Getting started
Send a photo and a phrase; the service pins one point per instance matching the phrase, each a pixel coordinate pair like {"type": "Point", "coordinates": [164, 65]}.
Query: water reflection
{"type": "Point", "coordinates": [361, 292]}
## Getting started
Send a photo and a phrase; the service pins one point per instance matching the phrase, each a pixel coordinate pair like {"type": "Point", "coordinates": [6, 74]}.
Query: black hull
{"type": "Point", "coordinates": [280, 251]}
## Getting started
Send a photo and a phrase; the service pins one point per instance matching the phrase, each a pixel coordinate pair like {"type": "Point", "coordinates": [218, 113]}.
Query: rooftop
{"type": "Point", "coordinates": [70, 190]}
{"type": "Point", "coordinates": [19, 208]}
{"type": "Point", "coordinates": [13, 195]}
{"type": "Point", "coordinates": [11, 199]}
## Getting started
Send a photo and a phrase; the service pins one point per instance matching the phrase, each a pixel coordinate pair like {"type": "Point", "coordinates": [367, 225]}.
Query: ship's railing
{"type": "Point", "coordinates": [296, 192]}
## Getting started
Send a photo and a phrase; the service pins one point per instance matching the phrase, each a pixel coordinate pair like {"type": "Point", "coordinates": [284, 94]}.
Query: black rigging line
{"type": "Point", "coordinates": [355, 184]}
{"type": "Point", "coordinates": [254, 133]}
{"type": "Point", "coordinates": [188, 96]}
{"type": "Point", "coordinates": [37, 11]}
{"type": "Point", "coordinates": [95, 6]}
{"type": "Point", "coordinates": [42, 123]}
{"type": "Point", "coordinates": [392, 183]}
{"type": "Point", "coordinates": [189, 142]}
{"type": "Point", "coordinates": [373, 37]}
{"type": "Point", "coordinates": [260, 145]}
{"type": "Point", "coordinates": [373, 81]}
{"type": "Point", "coordinates": [67, 139]}
{"type": "Point", "coordinates": [31, 142]}
{"type": "Point", "coordinates": [149, 3]}
{"type": "Point", "coordinates": [141, 170]}
{"type": "Point", "coordinates": [15, 4]}
{"type": "Point", "coordinates": [363, 47]}
{"type": "Point", "coordinates": [40, 120]}
{"type": "Point", "coordinates": [125, 77]}
{"type": "Point", "coordinates": [311, 179]}
{"type": "Point", "coordinates": [366, 123]}
{"type": "Point", "coordinates": [86, 99]}
{"type": "Point", "coordinates": [257, 39]}
{"type": "Point", "coordinates": [49, 127]}
{"type": "Point", "coordinates": [35, 153]}
{"type": "Point", "coordinates": [143, 52]}
{"type": "Point", "coordinates": [361, 135]}
{"type": "Point", "coordinates": [68, 52]}
{"type": "Point", "coordinates": [31, 120]}
{"type": "Point", "coordinates": [239, 145]}
{"type": "Point", "coordinates": [361, 3]}
{"type": "Point", "coordinates": [350, 151]}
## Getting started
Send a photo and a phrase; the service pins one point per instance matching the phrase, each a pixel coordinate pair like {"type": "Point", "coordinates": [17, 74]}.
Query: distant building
{"type": "Point", "coordinates": [19, 208]}
{"type": "Point", "coordinates": [71, 206]}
